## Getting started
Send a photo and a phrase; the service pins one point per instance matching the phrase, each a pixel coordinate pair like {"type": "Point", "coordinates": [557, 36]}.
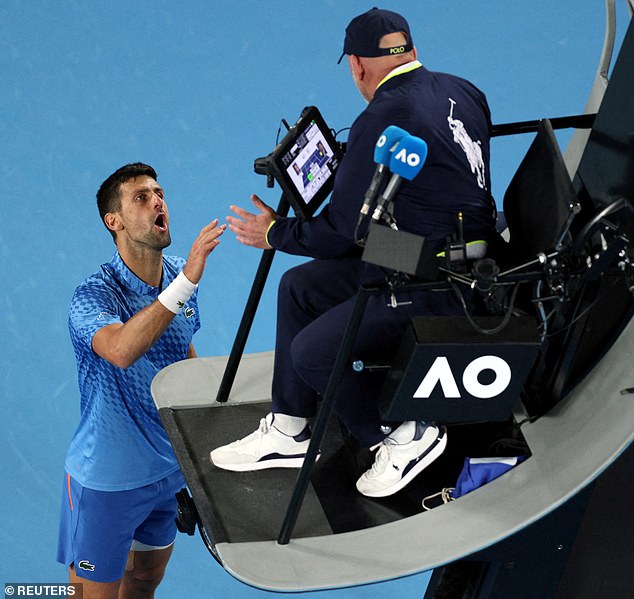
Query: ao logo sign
{"type": "Point", "coordinates": [412, 159]}
{"type": "Point", "coordinates": [440, 372]}
{"type": "Point", "coordinates": [383, 140]}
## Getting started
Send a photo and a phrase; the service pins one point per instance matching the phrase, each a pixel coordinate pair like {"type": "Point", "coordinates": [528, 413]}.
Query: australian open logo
{"type": "Point", "coordinates": [440, 373]}
{"type": "Point", "coordinates": [397, 50]}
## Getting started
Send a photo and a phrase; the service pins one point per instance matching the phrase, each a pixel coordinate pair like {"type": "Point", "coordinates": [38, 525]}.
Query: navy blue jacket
{"type": "Point", "coordinates": [453, 117]}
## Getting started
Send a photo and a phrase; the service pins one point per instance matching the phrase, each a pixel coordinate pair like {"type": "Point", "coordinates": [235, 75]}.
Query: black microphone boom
{"type": "Point", "coordinates": [388, 140]}
{"type": "Point", "coordinates": [373, 191]}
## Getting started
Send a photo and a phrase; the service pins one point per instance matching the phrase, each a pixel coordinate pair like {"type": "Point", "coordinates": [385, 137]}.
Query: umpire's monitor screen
{"type": "Point", "coordinates": [305, 162]}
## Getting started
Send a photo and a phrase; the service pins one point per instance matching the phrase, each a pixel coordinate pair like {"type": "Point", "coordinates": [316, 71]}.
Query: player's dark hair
{"type": "Point", "coordinates": [108, 198]}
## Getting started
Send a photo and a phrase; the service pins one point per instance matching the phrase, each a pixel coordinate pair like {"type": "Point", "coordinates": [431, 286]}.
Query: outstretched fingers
{"type": "Point", "coordinates": [205, 243]}
{"type": "Point", "coordinates": [210, 234]}
{"type": "Point", "coordinates": [260, 205]}
{"type": "Point", "coordinates": [251, 229]}
{"type": "Point", "coordinates": [242, 213]}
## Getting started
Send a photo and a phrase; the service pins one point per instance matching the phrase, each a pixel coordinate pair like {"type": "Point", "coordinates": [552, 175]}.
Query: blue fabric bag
{"type": "Point", "coordinates": [479, 471]}
{"type": "Point", "coordinates": [475, 473]}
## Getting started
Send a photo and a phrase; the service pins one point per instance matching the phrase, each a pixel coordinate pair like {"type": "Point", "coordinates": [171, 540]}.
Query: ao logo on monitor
{"type": "Point", "coordinates": [440, 373]}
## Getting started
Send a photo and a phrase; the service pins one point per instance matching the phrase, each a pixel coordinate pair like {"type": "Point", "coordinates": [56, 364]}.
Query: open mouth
{"type": "Point", "coordinates": [161, 222]}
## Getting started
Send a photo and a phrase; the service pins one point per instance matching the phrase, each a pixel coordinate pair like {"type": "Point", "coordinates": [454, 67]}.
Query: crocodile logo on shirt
{"type": "Point", "coordinates": [189, 312]}
{"type": "Point", "coordinates": [86, 565]}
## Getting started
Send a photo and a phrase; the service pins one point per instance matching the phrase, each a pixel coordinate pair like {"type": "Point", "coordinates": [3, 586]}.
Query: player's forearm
{"type": "Point", "coordinates": [123, 344]}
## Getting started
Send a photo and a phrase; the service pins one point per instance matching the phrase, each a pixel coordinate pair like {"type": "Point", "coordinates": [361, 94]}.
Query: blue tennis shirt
{"type": "Point", "coordinates": [120, 443]}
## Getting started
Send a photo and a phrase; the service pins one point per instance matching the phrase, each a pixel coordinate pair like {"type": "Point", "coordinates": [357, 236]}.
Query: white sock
{"type": "Point", "coordinates": [290, 425]}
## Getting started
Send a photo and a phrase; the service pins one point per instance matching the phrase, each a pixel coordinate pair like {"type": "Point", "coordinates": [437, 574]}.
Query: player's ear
{"type": "Point", "coordinates": [113, 221]}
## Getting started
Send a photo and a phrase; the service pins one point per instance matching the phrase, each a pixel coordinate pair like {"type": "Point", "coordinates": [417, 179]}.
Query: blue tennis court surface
{"type": "Point", "coordinates": [198, 89]}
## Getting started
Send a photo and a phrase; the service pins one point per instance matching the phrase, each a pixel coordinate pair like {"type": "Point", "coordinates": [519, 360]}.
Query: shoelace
{"type": "Point", "coordinates": [264, 426]}
{"type": "Point", "coordinates": [382, 456]}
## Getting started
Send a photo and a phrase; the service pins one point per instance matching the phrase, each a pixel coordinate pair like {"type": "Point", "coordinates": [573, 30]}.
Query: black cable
{"type": "Point", "coordinates": [357, 241]}
{"type": "Point", "coordinates": [597, 218]}
{"type": "Point", "coordinates": [477, 327]}
{"type": "Point", "coordinates": [546, 318]}
{"type": "Point", "coordinates": [574, 320]}
{"type": "Point", "coordinates": [279, 129]}
{"type": "Point", "coordinates": [335, 133]}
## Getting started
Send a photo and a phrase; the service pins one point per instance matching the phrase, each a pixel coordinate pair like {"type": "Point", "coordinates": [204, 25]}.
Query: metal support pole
{"type": "Point", "coordinates": [248, 315]}
{"type": "Point", "coordinates": [323, 416]}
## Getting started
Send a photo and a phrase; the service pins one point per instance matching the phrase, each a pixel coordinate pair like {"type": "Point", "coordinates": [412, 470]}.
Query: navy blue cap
{"type": "Point", "coordinates": [365, 31]}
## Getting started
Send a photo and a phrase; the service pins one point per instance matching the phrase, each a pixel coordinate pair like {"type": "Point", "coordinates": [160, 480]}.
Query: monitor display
{"type": "Point", "coordinates": [308, 162]}
{"type": "Point", "coordinates": [305, 162]}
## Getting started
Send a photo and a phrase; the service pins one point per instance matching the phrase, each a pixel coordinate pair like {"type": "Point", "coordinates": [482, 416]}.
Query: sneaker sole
{"type": "Point", "coordinates": [434, 452]}
{"type": "Point", "coordinates": [263, 464]}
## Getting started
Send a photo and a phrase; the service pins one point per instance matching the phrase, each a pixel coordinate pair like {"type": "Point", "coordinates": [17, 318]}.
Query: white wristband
{"type": "Point", "coordinates": [175, 295]}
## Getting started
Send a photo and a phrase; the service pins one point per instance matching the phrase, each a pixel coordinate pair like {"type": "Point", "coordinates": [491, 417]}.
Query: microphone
{"type": "Point", "coordinates": [407, 160]}
{"type": "Point", "coordinates": [382, 153]}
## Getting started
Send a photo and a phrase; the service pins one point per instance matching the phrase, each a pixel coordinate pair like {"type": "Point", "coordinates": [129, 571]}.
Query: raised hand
{"type": "Point", "coordinates": [251, 229]}
{"type": "Point", "coordinates": [204, 244]}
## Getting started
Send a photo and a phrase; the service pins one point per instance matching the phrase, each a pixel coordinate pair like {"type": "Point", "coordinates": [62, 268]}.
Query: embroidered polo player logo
{"type": "Point", "coordinates": [472, 149]}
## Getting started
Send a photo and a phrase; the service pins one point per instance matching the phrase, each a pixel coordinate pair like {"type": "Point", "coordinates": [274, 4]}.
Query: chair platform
{"type": "Point", "coordinates": [344, 539]}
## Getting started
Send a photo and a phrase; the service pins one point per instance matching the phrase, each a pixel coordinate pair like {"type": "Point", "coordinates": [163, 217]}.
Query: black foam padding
{"type": "Point", "coordinates": [537, 200]}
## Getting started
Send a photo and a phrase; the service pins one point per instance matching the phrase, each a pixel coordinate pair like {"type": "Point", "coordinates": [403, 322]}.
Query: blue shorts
{"type": "Point", "coordinates": [97, 528]}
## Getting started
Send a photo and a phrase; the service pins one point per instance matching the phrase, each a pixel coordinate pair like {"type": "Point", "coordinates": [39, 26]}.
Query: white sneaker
{"type": "Point", "coordinates": [267, 447]}
{"type": "Point", "coordinates": [396, 464]}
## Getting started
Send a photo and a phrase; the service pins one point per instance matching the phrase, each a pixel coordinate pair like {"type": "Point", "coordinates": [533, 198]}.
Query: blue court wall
{"type": "Point", "coordinates": [197, 89]}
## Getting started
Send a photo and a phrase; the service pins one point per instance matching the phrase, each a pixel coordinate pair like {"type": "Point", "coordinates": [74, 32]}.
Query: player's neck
{"type": "Point", "coordinates": [146, 263]}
